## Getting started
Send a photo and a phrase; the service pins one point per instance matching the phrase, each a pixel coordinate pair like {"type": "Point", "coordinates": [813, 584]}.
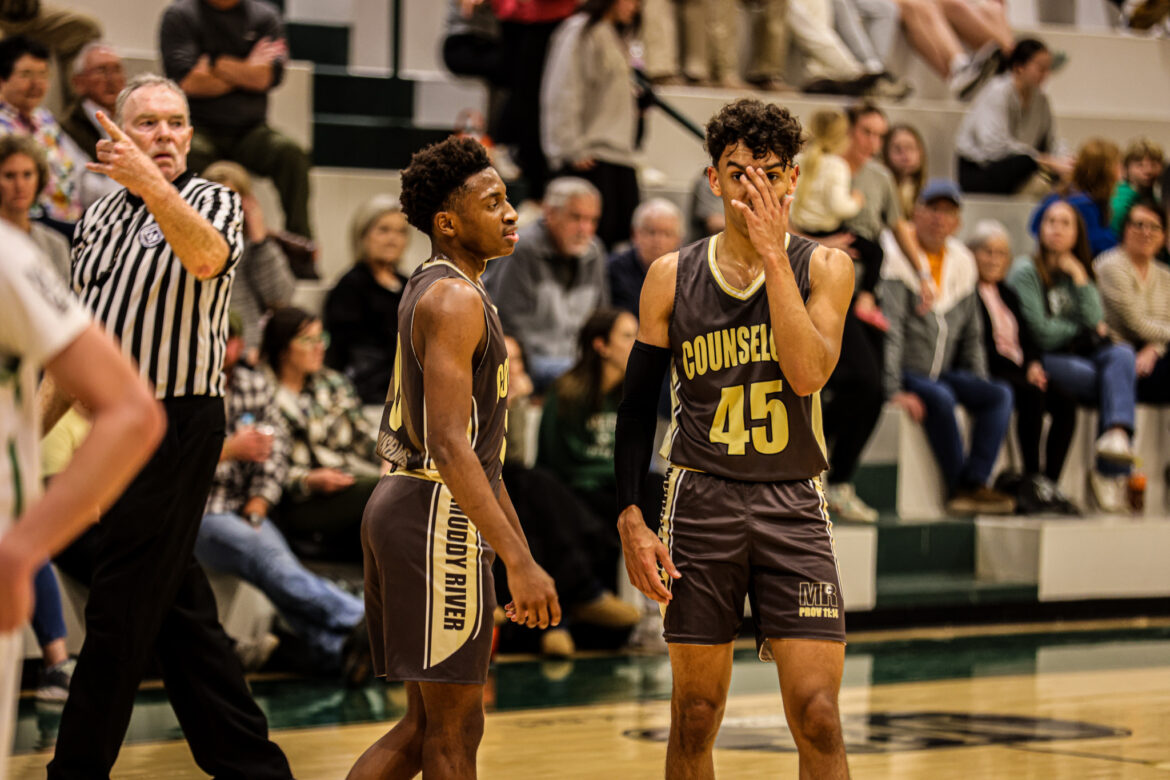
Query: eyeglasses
{"type": "Point", "coordinates": [106, 71]}
{"type": "Point", "coordinates": [1146, 227]}
{"type": "Point", "coordinates": [312, 341]}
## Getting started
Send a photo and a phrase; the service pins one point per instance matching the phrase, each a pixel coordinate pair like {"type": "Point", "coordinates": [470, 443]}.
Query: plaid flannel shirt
{"type": "Point", "coordinates": [328, 428]}
{"type": "Point", "coordinates": [251, 392]}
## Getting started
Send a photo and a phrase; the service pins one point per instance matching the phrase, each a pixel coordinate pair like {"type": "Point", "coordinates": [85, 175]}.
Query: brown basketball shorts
{"type": "Point", "coordinates": [769, 541]}
{"type": "Point", "coordinates": [429, 588]}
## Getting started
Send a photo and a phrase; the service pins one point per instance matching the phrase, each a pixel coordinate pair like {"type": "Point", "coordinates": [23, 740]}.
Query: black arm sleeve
{"type": "Point", "coordinates": [637, 420]}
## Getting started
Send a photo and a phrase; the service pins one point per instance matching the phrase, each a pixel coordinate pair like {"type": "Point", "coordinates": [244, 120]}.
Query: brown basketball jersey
{"type": "Point", "coordinates": [402, 439]}
{"type": "Point", "coordinates": [733, 413]}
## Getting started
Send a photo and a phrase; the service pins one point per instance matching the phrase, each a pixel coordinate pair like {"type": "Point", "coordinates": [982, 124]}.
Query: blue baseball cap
{"type": "Point", "coordinates": [941, 188]}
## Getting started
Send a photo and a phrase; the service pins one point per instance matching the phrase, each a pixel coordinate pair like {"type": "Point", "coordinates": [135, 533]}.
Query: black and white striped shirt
{"type": "Point", "coordinates": [174, 325]}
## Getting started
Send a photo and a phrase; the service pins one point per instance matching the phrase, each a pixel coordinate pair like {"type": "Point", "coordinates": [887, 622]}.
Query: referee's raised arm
{"type": "Point", "coordinates": [146, 155]}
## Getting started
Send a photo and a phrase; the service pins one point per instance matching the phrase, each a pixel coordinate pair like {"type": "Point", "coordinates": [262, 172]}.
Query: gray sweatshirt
{"type": "Point", "coordinates": [587, 104]}
{"type": "Point", "coordinates": [998, 125]}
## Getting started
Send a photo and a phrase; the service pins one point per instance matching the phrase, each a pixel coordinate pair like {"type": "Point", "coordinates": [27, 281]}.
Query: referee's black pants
{"type": "Point", "coordinates": [149, 597]}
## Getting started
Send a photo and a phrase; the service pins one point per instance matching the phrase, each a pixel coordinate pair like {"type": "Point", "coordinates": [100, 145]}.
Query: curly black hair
{"type": "Point", "coordinates": [761, 127]}
{"type": "Point", "coordinates": [436, 173]}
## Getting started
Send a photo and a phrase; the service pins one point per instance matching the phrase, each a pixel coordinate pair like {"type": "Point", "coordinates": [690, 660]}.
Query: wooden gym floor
{"type": "Point", "coordinates": [1083, 700]}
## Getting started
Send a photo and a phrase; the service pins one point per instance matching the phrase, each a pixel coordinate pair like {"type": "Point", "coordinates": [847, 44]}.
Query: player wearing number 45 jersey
{"type": "Point", "coordinates": [749, 323]}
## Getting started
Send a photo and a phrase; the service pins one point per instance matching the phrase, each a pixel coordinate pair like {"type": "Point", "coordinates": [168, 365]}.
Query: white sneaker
{"type": "Point", "coordinates": [1109, 493]}
{"type": "Point", "coordinates": [845, 504]}
{"type": "Point", "coordinates": [1114, 445]}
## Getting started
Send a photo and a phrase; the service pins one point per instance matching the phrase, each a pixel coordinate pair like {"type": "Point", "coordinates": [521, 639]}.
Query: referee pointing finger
{"type": "Point", "coordinates": [153, 261]}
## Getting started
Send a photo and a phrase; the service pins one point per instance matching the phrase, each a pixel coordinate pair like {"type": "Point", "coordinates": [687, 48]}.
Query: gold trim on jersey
{"type": "Point", "coordinates": [666, 524]}
{"type": "Point", "coordinates": [455, 590]}
{"type": "Point", "coordinates": [817, 422]}
{"type": "Point", "coordinates": [745, 293]}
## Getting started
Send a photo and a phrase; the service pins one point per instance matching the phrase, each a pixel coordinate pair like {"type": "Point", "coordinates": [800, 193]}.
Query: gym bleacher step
{"type": "Point", "coordinates": [338, 91]}
{"type": "Point", "coordinates": [945, 589]}
{"type": "Point", "coordinates": [323, 44]}
{"type": "Point", "coordinates": [877, 485]}
{"type": "Point", "coordinates": [945, 547]}
{"type": "Point", "coordinates": [359, 141]}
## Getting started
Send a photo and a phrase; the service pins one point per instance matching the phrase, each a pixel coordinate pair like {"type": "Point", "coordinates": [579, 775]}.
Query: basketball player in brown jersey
{"type": "Point", "coordinates": [435, 523]}
{"type": "Point", "coordinates": [749, 321]}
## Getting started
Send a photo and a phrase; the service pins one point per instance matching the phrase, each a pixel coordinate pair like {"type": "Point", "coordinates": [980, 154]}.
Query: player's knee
{"type": "Point", "coordinates": [456, 730]}
{"type": "Point", "coordinates": [697, 719]}
{"type": "Point", "coordinates": [820, 722]}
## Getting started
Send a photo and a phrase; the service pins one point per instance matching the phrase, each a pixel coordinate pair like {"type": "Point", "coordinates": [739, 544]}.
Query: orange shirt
{"type": "Point", "coordinates": [936, 266]}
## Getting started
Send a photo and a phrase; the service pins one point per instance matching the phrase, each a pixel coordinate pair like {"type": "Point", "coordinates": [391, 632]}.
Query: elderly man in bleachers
{"type": "Point", "coordinates": [98, 77]}
{"type": "Point", "coordinates": [935, 358]}
{"type": "Point", "coordinates": [657, 230]}
{"type": "Point", "coordinates": [554, 279]}
{"type": "Point", "coordinates": [227, 55]}
{"type": "Point", "coordinates": [24, 82]}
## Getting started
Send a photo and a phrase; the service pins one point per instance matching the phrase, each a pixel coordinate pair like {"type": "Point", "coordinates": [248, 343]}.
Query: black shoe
{"type": "Point", "coordinates": [357, 664]}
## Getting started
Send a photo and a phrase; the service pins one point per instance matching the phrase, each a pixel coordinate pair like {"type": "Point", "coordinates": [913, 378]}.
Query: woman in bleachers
{"type": "Point", "coordinates": [264, 281]}
{"type": "Point", "coordinates": [580, 418]}
{"type": "Point", "coordinates": [588, 113]}
{"type": "Point", "coordinates": [361, 311]}
{"type": "Point", "coordinates": [564, 535]}
{"type": "Point", "coordinates": [23, 173]}
{"type": "Point", "coordinates": [904, 153]}
{"type": "Point", "coordinates": [1095, 175]}
{"type": "Point", "coordinates": [1006, 143]}
{"type": "Point", "coordinates": [1061, 308]}
{"type": "Point", "coordinates": [1013, 356]}
{"type": "Point", "coordinates": [332, 465]}
{"type": "Point", "coordinates": [1136, 291]}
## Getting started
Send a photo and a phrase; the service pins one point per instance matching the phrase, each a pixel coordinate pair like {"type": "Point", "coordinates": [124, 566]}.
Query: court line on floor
{"type": "Point", "coordinates": [1152, 763]}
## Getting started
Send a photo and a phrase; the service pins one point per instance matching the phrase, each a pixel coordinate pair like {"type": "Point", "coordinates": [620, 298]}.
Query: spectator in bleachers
{"type": "Point", "coordinates": [332, 464]}
{"type": "Point", "coordinates": [1095, 173]}
{"type": "Point", "coordinates": [525, 31]}
{"type": "Point", "coordinates": [707, 216]}
{"type": "Point", "coordinates": [904, 153]}
{"type": "Point", "coordinates": [1142, 168]}
{"type": "Point", "coordinates": [361, 311]}
{"type": "Point", "coordinates": [828, 65]}
{"type": "Point", "coordinates": [566, 538]}
{"type": "Point", "coordinates": [580, 417]}
{"type": "Point", "coordinates": [23, 173]}
{"type": "Point", "coordinates": [554, 279]}
{"type": "Point", "coordinates": [937, 30]}
{"type": "Point", "coordinates": [1136, 293]}
{"type": "Point", "coordinates": [1061, 308]}
{"type": "Point", "coordinates": [935, 360]}
{"type": "Point", "coordinates": [64, 31]}
{"type": "Point", "coordinates": [1142, 15]}
{"type": "Point", "coordinates": [237, 535]}
{"type": "Point", "coordinates": [710, 43]}
{"type": "Point", "coordinates": [657, 230]}
{"type": "Point", "coordinates": [227, 55]}
{"type": "Point", "coordinates": [264, 281]}
{"type": "Point", "coordinates": [588, 113]}
{"type": "Point", "coordinates": [24, 82]}
{"type": "Point", "coordinates": [471, 41]}
{"type": "Point", "coordinates": [869, 28]}
{"type": "Point", "coordinates": [1014, 357]}
{"type": "Point", "coordinates": [98, 77]}
{"type": "Point", "coordinates": [880, 210]}
{"type": "Point", "coordinates": [1007, 141]}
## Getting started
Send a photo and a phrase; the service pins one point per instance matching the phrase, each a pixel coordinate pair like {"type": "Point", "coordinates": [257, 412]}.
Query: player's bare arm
{"type": "Point", "coordinates": [448, 330]}
{"type": "Point", "coordinates": [197, 244]}
{"type": "Point", "coordinates": [641, 548]}
{"type": "Point", "coordinates": [127, 426]}
{"type": "Point", "coordinates": [812, 331]}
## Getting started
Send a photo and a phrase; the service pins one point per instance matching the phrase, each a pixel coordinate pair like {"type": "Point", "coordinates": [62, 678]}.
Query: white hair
{"type": "Point", "coordinates": [560, 191]}
{"type": "Point", "coordinates": [984, 231]}
{"type": "Point", "coordinates": [141, 81]}
{"type": "Point", "coordinates": [655, 207]}
{"type": "Point", "coordinates": [83, 55]}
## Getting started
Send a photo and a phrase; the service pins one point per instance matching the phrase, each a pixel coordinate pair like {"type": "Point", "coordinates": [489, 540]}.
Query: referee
{"type": "Point", "coordinates": [153, 262]}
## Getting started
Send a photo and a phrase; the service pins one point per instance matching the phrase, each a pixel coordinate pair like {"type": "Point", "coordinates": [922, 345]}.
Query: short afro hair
{"type": "Point", "coordinates": [761, 127]}
{"type": "Point", "coordinates": [437, 172]}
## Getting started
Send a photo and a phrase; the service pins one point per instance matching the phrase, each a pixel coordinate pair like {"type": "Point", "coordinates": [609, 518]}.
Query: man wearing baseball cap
{"type": "Point", "coordinates": [935, 357]}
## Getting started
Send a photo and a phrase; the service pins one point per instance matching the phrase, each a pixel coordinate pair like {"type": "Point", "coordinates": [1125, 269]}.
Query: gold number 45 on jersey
{"type": "Point", "coordinates": [769, 431]}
